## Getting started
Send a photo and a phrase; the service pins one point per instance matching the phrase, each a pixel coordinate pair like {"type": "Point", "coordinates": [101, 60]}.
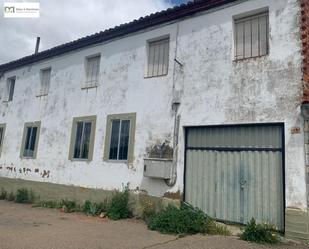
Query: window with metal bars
{"type": "Point", "coordinates": [158, 57]}
{"type": "Point", "coordinates": [251, 36]}
{"type": "Point", "coordinates": [45, 81]}
{"type": "Point", "coordinates": [82, 140]}
{"type": "Point", "coordinates": [92, 71]}
{"type": "Point", "coordinates": [30, 140]}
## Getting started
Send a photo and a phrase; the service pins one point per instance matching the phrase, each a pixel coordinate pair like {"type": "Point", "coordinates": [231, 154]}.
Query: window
{"type": "Point", "coordinates": [251, 36]}
{"type": "Point", "coordinates": [92, 71]}
{"type": "Point", "coordinates": [82, 138]}
{"type": "Point", "coordinates": [10, 85]}
{"type": "Point", "coordinates": [119, 140]}
{"type": "Point", "coordinates": [45, 81]}
{"type": "Point", "coordinates": [30, 140]}
{"type": "Point", "coordinates": [2, 130]}
{"type": "Point", "coordinates": [158, 57]}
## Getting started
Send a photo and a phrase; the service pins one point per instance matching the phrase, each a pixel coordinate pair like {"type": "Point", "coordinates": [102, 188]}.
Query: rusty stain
{"type": "Point", "coordinates": [173, 195]}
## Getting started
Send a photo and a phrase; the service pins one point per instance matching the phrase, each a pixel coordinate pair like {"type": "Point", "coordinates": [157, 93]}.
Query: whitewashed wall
{"type": "Point", "coordinates": [214, 90]}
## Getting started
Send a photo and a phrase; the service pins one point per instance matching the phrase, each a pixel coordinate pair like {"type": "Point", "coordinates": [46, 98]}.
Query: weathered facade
{"type": "Point", "coordinates": [204, 85]}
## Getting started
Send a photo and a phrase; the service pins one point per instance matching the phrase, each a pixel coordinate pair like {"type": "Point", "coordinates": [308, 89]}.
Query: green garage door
{"type": "Point", "coordinates": [234, 173]}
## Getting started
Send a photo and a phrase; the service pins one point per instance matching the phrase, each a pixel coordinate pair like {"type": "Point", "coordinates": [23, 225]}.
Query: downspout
{"type": "Point", "coordinates": [175, 106]}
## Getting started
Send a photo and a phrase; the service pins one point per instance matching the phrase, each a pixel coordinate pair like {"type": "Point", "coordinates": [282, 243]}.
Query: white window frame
{"type": "Point", "coordinates": [44, 88]}
{"type": "Point", "coordinates": [149, 69]}
{"type": "Point", "coordinates": [253, 15]}
{"type": "Point", "coordinates": [91, 83]}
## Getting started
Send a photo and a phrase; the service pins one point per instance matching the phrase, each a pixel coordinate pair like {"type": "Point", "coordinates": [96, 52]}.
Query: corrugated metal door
{"type": "Point", "coordinates": [234, 173]}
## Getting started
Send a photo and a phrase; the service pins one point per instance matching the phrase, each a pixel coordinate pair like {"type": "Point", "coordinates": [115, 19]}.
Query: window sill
{"type": "Point", "coordinates": [155, 76]}
{"type": "Point", "coordinates": [41, 95]}
{"type": "Point", "coordinates": [27, 158]}
{"type": "Point", "coordinates": [6, 101]}
{"type": "Point", "coordinates": [80, 160]}
{"type": "Point", "coordinates": [116, 161]}
{"type": "Point", "coordinates": [250, 58]}
{"type": "Point", "coordinates": [89, 87]}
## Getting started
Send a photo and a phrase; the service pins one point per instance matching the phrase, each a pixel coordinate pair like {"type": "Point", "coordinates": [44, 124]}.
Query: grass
{"type": "Point", "coordinates": [184, 220]}
{"type": "Point", "coordinates": [260, 233]}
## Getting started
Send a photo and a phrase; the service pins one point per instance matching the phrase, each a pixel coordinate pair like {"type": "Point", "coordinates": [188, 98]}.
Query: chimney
{"type": "Point", "coordinates": [37, 45]}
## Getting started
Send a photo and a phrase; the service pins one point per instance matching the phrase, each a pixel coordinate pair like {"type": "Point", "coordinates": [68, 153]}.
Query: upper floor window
{"type": "Point", "coordinates": [45, 81]}
{"type": "Point", "coordinates": [158, 57]}
{"type": "Point", "coordinates": [10, 85]}
{"type": "Point", "coordinates": [2, 130]}
{"type": "Point", "coordinates": [82, 139]}
{"type": "Point", "coordinates": [30, 140]}
{"type": "Point", "coordinates": [92, 71]}
{"type": "Point", "coordinates": [119, 140]}
{"type": "Point", "coordinates": [251, 36]}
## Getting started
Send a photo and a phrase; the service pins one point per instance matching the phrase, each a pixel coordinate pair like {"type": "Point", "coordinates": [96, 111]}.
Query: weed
{"type": "Point", "coordinates": [148, 208]}
{"type": "Point", "coordinates": [184, 220]}
{"type": "Point", "coordinates": [260, 233]}
{"type": "Point", "coordinates": [11, 196]}
{"type": "Point", "coordinates": [3, 194]}
{"type": "Point", "coordinates": [118, 207]}
{"type": "Point", "coordinates": [93, 208]}
{"type": "Point", "coordinates": [69, 206]}
{"type": "Point", "coordinates": [24, 196]}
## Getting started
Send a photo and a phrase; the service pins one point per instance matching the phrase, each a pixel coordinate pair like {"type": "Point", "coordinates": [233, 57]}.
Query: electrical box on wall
{"type": "Point", "coordinates": [160, 168]}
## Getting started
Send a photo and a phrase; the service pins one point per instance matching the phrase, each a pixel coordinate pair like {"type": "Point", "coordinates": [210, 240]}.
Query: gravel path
{"type": "Point", "coordinates": [24, 227]}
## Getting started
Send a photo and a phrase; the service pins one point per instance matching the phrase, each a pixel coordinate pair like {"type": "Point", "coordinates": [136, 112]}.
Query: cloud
{"type": "Point", "coordinates": [62, 21]}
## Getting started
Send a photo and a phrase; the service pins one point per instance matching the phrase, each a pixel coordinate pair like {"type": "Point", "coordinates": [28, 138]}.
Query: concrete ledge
{"type": "Point", "coordinates": [55, 192]}
{"type": "Point", "coordinates": [296, 224]}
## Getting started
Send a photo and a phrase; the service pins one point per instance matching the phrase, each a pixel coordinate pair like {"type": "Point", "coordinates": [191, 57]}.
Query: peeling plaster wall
{"type": "Point", "coordinates": [213, 89]}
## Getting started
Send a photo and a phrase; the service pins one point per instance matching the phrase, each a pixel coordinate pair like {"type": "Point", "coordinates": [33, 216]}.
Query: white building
{"type": "Point", "coordinates": [214, 87]}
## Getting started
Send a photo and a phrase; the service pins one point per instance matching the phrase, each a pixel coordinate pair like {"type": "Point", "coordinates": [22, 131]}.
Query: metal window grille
{"type": "Point", "coordinates": [158, 57]}
{"type": "Point", "coordinates": [251, 36]}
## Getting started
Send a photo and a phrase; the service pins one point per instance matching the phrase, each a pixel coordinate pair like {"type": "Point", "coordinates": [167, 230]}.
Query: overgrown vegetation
{"type": "Point", "coordinates": [184, 220]}
{"type": "Point", "coordinates": [118, 206]}
{"type": "Point", "coordinates": [148, 208]}
{"type": "Point", "coordinates": [93, 208]}
{"type": "Point", "coordinates": [69, 206]}
{"type": "Point", "coordinates": [260, 233]}
{"type": "Point", "coordinates": [24, 195]}
{"type": "Point", "coordinates": [49, 204]}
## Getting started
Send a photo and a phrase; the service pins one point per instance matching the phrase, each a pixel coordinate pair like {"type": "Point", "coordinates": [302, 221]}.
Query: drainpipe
{"type": "Point", "coordinates": [305, 113]}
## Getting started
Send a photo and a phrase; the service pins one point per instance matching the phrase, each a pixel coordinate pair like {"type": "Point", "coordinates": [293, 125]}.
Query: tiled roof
{"type": "Point", "coordinates": [151, 20]}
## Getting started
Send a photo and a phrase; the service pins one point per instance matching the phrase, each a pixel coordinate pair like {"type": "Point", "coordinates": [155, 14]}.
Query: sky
{"type": "Point", "coordinates": [62, 21]}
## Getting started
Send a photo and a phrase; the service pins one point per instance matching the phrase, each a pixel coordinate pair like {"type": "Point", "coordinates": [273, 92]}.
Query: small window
{"type": "Point", "coordinates": [251, 36]}
{"type": "Point", "coordinates": [45, 81]}
{"type": "Point", "coordinates": [30, 140]}
{"type": "Point", "coordinates": [120, 133]}
{"type": "Point", "coordinates": [82, 139]}
{"type": "Point", "coordinates": [158, 57]}
{"type": "Point", "coordinates": [92, 71]}
{"type": "Point", "coordinates": [10, 85]}
{"type": "Point", "coordinates": [2, 130]}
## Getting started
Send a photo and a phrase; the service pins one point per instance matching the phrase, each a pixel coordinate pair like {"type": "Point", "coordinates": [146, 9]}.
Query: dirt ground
{"type": "Point", "coordinates": [24, 227]}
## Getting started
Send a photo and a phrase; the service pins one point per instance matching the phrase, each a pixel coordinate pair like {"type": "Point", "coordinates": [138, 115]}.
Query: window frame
{"type": "Point", "coordinates": [108, 131]}
{"type": "Point", "coordinates": [148, 43]}
{"type": "Point", "coordinates": [41, 93]}
{"type": "Point", "coordinates": [246, 17]}
{"type": "Point", "coordinates": [2, 126]}
{"type": "Point", "coordinates": [8, 96]}
{"type": "Point", "coordinates": [27, 125]}
{"type": "Point", "coordinates": [85, 84]}
{"type": "Point", "coordinates": [91, 119]}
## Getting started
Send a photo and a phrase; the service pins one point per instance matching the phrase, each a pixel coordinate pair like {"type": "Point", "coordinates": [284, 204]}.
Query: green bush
{"type": "Point", "coordinates": [93, 208]}
{"type": "Point", "coordinates": [118, 207]}
{"type": "Point", "coordinates": [69, 206]}
{"type": "Point", "coordinates": [184, 220]}
{"type": "Point", "coordinates": [3, 194]}
{"type": "Point", "coordinates": [24, 196]}
{"type": "Point", "coordinates": [259, 233]}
